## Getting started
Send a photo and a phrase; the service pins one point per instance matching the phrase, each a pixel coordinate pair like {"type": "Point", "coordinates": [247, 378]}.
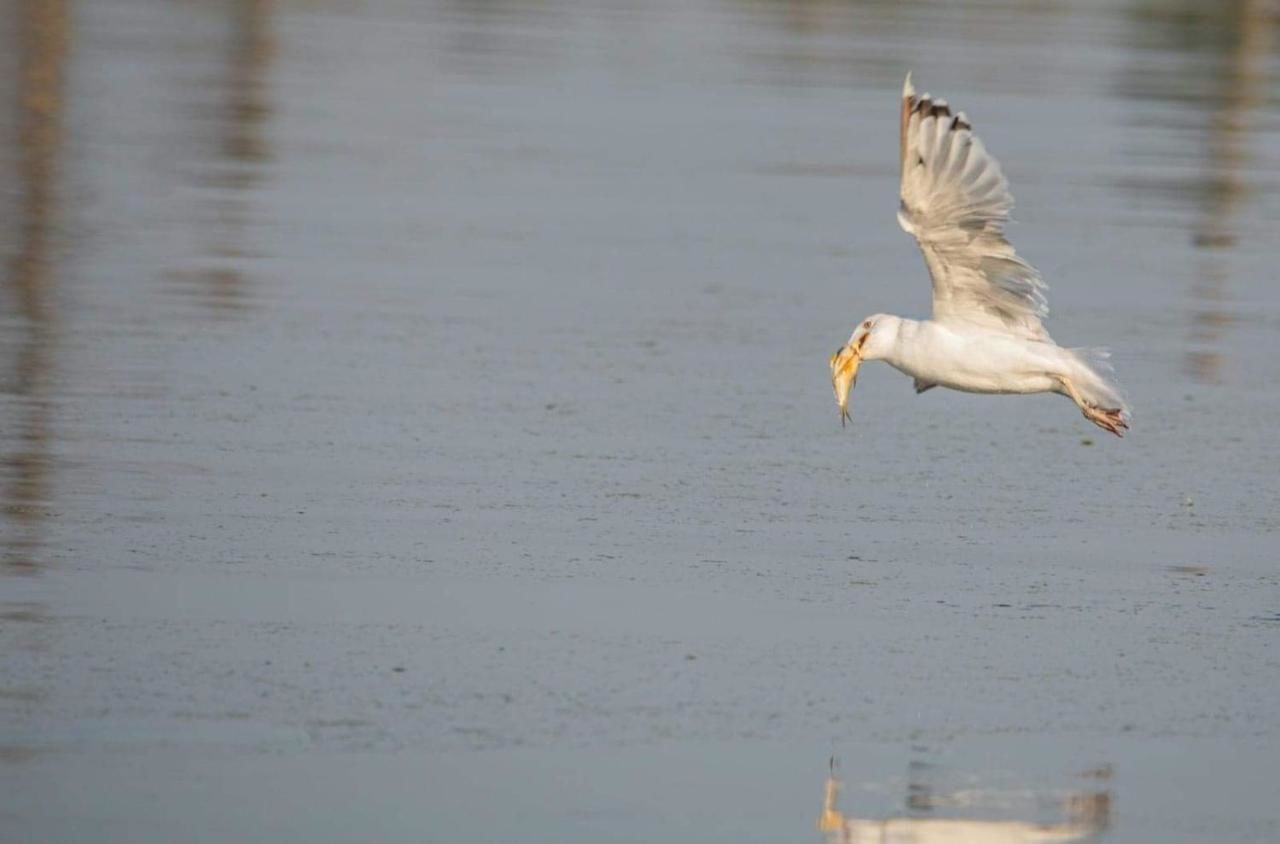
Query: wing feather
{"type": "Point", "coordinates": [956, 202]}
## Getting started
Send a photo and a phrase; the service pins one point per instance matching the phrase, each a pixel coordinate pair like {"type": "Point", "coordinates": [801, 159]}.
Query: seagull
{"type": "Point", "coordinates": [986, 334]}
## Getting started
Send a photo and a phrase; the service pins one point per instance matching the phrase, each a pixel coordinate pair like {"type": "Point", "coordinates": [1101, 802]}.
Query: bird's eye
{"type": "Point", "coordinates": [867, 325]}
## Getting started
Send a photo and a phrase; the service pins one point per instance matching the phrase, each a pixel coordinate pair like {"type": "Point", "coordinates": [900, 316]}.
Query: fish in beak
{"type": "Point", "coordinates": [844, 374]}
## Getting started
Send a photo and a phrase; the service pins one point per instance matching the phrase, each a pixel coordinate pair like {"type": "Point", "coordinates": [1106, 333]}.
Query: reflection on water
{"type": "Point", "coordinates": [940, 811]}
{"type": "Point", "coordinates": [1226, 183]}
{"type": "Point", "coordinates": [1212, 58]}
{"type": "Point", "coordinates": [219, 281]}
{"type": "Point", "coordinates": [40, 34]}
{"type": "Point", "coordinates": [28, 322]}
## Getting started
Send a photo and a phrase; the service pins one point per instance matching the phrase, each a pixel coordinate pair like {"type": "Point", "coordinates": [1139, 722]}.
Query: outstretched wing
{"type": "Point", "coordinates": [956, 202]}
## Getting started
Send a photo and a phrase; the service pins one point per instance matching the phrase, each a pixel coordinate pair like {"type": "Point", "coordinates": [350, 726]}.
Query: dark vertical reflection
{"type": "Point", "coordinates": [1226, 186]}
{"type": "Point", "coordinates": [220, 282]}
{"type": "Point", "coordinates": [41, 46]}
{"type": "Point", "coordinates": [1214, 66]}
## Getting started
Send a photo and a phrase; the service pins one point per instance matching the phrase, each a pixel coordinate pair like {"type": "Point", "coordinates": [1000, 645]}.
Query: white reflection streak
{"type": "Point", "coordinates": [1087, 816]}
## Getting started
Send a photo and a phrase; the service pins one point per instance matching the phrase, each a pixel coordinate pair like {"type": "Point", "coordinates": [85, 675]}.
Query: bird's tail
{"type": "Point", "coordinates": [1096, 381]}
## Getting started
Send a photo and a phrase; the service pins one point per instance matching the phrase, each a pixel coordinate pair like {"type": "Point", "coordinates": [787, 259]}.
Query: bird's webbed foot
{"type": "Point", "coordinates": [1109, 419]}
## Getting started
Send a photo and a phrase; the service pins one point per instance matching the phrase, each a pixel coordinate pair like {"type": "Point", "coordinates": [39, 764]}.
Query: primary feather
{"type": "Point", "coordinates": [956, 202]}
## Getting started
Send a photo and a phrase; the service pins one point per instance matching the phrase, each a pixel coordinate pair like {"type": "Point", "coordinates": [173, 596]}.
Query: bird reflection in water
{"type": "Point", "coordinates": [973, 816]}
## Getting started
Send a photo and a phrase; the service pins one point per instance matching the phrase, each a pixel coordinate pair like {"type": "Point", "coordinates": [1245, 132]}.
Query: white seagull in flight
{"type": "Point", "coordinates": [985, 335]}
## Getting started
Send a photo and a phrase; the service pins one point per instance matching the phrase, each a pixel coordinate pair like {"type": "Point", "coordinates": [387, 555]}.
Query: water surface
{"type": "Point", "coordinates": [413, 413]}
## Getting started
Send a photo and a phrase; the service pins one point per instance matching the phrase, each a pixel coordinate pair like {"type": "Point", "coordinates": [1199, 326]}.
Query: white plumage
{"type": "Point", "coordinates": [986, 334]}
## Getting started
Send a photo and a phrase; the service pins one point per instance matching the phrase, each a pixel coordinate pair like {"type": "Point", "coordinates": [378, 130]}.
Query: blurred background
{"type": "Point", "coordinates": [415, 423]}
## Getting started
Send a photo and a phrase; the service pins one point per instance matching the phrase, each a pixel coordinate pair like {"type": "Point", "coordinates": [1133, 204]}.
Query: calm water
{"type": "Point", "coordinates": [415, 425]}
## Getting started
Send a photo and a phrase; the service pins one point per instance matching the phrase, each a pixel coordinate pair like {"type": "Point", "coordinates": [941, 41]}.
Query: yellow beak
{"type": "Point", "coordinates": [844, 374]}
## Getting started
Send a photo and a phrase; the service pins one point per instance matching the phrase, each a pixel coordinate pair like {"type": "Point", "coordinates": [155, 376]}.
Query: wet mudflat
{"type": "Point", "coordinates": [414, 424]}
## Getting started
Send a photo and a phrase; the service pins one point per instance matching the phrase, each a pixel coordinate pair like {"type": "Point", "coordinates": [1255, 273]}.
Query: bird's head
{"type": "Point", "coordinates": [868, 342]}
